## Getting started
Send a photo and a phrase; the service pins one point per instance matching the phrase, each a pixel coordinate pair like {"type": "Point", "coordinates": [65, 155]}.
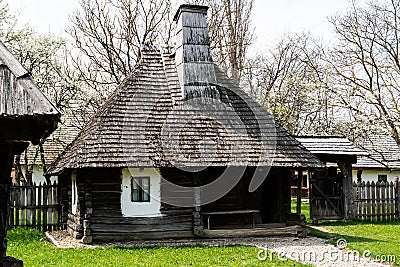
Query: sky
{"type": "Point", "coordinates": [271, 18]}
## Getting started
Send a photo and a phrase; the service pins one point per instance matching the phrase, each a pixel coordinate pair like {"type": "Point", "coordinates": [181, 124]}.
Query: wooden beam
{"type": "Point", "coordinates": [299, 182]}
{"type": "Point", "coordinates": [256, 232]}
{"type": "Point", "coordinates": [348, 194]}
{"type": "Point", "coordinates": [6, 160]}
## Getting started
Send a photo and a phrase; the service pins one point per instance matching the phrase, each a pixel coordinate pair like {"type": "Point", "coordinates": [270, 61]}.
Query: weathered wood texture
{"type": "Point", "coordinates": [6, 159]}
{"type": "Point", "coordinates": [376, 201]}
{"type": "Point", "coordinates": [331, 145]}
{"type": "Point", "coordinates": [258, 231]}
{"type": "Point", "coordinates": [25, 115]}
{"type": "Point", "coordinates": [348, 196]}
{"type": "Point", "coordinates": [99, 217]}
{"type": "Point", "coordinates": [383, 153]}
{"type": "Point", "coordinates": [35, 206]}
{"type": "Point", "coordinates": [150, 116]}
{"type": "Point", "coordinates": [326, 196]}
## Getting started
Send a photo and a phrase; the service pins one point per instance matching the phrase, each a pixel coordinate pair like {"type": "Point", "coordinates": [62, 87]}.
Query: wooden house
{"type": "Point", "coordinates": [26, 115]}
{"type": "Point", "coordinates": [145, 163]}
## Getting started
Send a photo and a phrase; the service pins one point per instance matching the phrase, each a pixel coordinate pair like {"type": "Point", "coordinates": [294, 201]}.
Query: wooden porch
{"type": "Point", "coordinates": [260, 230]}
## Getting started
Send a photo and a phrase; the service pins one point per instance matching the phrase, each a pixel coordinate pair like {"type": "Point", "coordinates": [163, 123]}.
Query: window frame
{"type": "Point", "coordinates": [382, 178]}
{"type": "Point", "coordinates": [142, 192]}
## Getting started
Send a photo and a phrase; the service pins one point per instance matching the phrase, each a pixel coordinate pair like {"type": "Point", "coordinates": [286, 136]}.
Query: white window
{"type": "Point", "coordinates": [140, 195]}
{"type": "Point", "coordinates": [74, 190]}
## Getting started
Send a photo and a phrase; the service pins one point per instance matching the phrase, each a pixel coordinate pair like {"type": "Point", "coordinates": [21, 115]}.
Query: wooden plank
{"type": "Point", "coordinates": [230, 212]}
{"type": "Point", "coordinates": [34, 209]}
{"type": "Point", "coordinates": [392, 202]}
{"type": "Point", "coordinates": [257, 232]}
{"type": "Point", "coordinates": [369, 202]}
{"type": "Point", "coordinates": [142, 220]}
{"type": "Point", "coordinates": [127, 228]}
{"type": "Point", "coordinates": [364, 202]}
{"type": "Point", "coordinates": [110, 237]}
{"type": "Point", "coordinates": [39, 202]}
{"type": "Point", "coordinates": [373, 200]}
{"type": "Point", "coordinates": [23, 202]}
{"type": "Point", "coordinates": [44, 211]}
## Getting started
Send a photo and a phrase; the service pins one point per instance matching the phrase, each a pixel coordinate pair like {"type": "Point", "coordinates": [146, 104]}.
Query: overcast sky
{"type": "Point", "coordinates": [271, 18]}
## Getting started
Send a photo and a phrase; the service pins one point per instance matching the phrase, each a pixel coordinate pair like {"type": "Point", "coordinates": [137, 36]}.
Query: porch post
{"type": "Point", "coordinates": [299, 182]}
{"type": "Point", "coordinates": [6, 159]}
{"type": "Point", "coordinates": [348, 194]}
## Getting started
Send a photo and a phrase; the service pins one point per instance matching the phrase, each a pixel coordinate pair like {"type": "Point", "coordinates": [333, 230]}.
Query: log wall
{"type": "Point", "coordinates": [99, 217]}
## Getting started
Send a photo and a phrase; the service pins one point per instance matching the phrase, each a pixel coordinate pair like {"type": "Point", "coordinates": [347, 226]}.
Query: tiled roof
{"type": "Point", "coordinates": [383, 152]}
{"type": "Point", "coordinates": [145, 122]}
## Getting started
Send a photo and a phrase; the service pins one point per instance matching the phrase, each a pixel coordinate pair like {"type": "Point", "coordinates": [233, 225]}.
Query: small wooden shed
{"type": "Point", "coordinates": [177, 119]}
{"type": "Point", "coordinates": [25, 115]}
{"type": "Point", "coordinates": [331, 192]}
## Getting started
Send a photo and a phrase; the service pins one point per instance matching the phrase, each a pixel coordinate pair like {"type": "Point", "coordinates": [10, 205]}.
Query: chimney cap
{"type": "Point", "coordinates": [190, 8]}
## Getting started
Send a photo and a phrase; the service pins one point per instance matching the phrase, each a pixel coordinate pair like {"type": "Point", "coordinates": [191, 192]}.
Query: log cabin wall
{"type": "Point", "coordinates": [106, 222]}
{"type": "Point", "coordinates": [74, 217]}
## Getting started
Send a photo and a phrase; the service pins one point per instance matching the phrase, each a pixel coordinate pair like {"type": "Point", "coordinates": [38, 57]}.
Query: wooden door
{"type": "Point", "coordinates": [326, 197]}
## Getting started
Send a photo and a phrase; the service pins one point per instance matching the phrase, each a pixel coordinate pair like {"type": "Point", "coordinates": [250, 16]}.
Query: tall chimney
{"type": "Point", "coordinates": [193, 54]}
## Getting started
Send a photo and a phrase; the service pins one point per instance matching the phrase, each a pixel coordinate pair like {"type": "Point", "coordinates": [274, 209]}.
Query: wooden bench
{"type": "Point", "coordinates": [230, 212]}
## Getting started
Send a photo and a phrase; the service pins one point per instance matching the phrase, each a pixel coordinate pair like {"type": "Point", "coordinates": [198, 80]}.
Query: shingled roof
{"type": "Point", "coordinates": [55, 144]}
{"type": "Point", "coordinates": [179, 109]}
{"type": "Point", "coordinates": [21, 99]}
{"type": "Point", "coordinates": [383, 153]}
{"type": "Point", "coordinates": [331, 145]}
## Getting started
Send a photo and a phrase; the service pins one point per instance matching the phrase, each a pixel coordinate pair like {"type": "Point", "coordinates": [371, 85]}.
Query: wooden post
{"type": "Point", "coordinates": [348, 194]}
{"type": "Point", "coordinates": [299, 182]}
{"type": "Point", "coordinates": [397, 197]}
{"type": "Point", "coordinates": [6, 159]}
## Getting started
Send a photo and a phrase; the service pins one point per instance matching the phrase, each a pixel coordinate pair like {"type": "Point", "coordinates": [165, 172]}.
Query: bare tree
{"type": "Point", "coordinates": [290, 79]}
{"type": "Point", "coordinates": [366, 63]}
{"type": "Point", "coordinates": [231, 33]}
{"type": "Point", "coordinates": [108, 35]}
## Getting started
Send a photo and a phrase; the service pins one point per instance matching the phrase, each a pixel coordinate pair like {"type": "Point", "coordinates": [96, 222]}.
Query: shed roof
{"type": "Point", "coordinates": [145, 123]}
{"type": "Point", "coordinates": [384, 153]}
{"type": "Point", "coordinates": [55, 144]}
{"type": "Point", "coordinates": [330, 145]}
{"type": "Point", "coordinates": [22, 100]}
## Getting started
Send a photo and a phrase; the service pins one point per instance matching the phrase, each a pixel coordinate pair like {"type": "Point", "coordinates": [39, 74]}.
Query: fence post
{"type": "Point", "coordinates": [397, 198]}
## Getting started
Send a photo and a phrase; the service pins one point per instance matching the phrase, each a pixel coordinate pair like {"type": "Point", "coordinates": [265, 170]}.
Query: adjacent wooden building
{"type": "Point", "coordinates": [25, 115]}
{"type": "Point", "coordinates": [177, 119]}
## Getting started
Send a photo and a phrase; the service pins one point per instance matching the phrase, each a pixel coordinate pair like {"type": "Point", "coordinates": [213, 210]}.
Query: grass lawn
{"type": "Point", "coordinates": [377, 240]}
{"type": "Point", "coordinates": [31, 247]}
{"type": "Point", "coordinates": [305, 209]}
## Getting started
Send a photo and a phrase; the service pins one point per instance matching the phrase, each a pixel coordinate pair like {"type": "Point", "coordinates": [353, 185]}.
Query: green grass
{"type": "Point", "coordinates": [380, 239]}
{"type": "Point", "coordinates": [30, 246]}
{"type": "Point", "coordinates": [305, 209]}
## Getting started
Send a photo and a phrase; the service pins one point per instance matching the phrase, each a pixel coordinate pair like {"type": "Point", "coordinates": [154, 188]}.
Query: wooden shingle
{"type": "Point", "coordinates": [147, 123]}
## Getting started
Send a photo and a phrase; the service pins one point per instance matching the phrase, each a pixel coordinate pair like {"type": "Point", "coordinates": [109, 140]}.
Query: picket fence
{"type": "Point", "coordinates": [35, 206]}
{"type": "Point", "coordinates": [376, 201]}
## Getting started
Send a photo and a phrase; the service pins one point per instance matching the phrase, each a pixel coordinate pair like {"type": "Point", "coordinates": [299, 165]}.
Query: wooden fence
{"type": "Point", "coordinates": [35, 206]}
{"type": "Point", "coordinates": [376, 201]}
